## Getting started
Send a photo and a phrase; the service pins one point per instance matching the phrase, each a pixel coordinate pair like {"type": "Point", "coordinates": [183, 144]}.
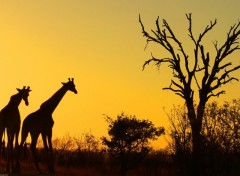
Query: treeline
{"type": "Point", "coordinates": [126, 151]}
{"type": "Point", "coordinates": [81, 150]}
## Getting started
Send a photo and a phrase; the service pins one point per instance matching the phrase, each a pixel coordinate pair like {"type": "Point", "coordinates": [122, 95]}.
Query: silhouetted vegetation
{"type": "Point", "coordinates": [204, 137]}
{"type": "Point", "coordinates": [128, 146]}
{"type": "Point", "coordinates": [129, 139]}
{"type": "Point", "coordinates": [208, 73]}
{"type": "Point", "coordinates": [220, 153]}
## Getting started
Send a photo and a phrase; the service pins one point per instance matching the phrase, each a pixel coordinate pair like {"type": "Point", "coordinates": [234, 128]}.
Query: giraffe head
{"type": "Point", "coordinates": [24, 92]}
{"type": "Point", "coordinates": [70, 85]}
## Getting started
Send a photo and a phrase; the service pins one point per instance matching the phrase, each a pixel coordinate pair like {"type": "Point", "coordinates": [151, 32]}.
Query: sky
{"type": "Point", "coordinates": [99, 43]}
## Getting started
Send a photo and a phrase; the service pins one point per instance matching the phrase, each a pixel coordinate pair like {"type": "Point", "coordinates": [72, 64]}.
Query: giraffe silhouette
{"type": "Point", "coordinates": [41, 122]}
{"type": "Point", "coordinates": [10, 119]}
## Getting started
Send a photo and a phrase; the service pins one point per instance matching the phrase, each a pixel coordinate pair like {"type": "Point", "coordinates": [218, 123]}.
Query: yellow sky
{"type": "Point", "coordinates": [100, 44]}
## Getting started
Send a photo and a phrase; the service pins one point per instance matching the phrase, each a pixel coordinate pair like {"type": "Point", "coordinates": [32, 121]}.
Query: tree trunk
{"type": "Point", "coordinates": [123, 167]}
{"type": "Point", "coordinates": [197, 143]}
{"type": "Point", "coordinates": [196, 125]}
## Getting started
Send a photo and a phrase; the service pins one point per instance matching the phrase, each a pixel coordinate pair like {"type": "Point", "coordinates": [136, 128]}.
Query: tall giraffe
{"type": "Point", "coordinates": [41, 122]}
{"type": "Point", "coordinates": [10, 119]}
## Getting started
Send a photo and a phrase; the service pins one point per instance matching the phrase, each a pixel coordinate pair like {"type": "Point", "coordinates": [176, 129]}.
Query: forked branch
{"type": "Point", "coordinates": [213, 77]}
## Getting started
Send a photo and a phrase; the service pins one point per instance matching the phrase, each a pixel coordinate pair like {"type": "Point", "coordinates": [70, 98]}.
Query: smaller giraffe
{"type": "Point", "coordinates": [41, 122]}
{"type": "Point", "coordinates": [10, 119]}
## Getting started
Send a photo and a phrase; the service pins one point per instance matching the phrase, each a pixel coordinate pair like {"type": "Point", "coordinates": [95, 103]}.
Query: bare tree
{"type": "Point", "coordinates": [91, 142]}
{"type": "Point", "coordinates": [207, 72]}
{"type": "Point", "coordinates": [179, 131]}
{"type": "Point", "coordinates": [66, 143]}
{"type": "Point", "coordinates": [87, 142]}
{"type": "Point", "coordinates": [78, 140]}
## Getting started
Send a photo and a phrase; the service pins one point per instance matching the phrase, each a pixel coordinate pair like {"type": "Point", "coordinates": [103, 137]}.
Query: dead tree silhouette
{"type": "Point", "coordinates": [41, 122]}
{"type": "Point", "coordinates": [195, 78]}
{"type": "Point", "coordinates": [10, 119]}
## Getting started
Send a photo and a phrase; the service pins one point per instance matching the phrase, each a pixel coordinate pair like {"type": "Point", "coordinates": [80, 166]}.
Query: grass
{"type": "Point", "coordinates": [87, 166]}
{"type": "Point", "coordinates": [28, 169]}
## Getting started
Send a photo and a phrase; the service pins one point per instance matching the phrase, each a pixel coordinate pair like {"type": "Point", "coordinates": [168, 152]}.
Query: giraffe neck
{"type": "Point", "coordinates": [51, 104]}
{"type": "Point", "coordinates": [15, 100]}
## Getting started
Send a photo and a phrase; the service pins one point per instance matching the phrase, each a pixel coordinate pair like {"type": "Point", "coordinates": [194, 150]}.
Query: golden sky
{"type": "Point", "coordinates": [100, 44]}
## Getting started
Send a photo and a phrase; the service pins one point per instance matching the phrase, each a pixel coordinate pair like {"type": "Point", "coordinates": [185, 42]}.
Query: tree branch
{"type": "Point", "coordinates": [179, 91]}
{"type": "Point", "coordinates": [157, 61]}
{"type": "Point", "coordinates": [179, 60]}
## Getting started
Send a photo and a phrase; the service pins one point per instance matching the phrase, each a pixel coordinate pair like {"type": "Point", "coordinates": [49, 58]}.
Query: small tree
{"type": "Point", "coordinates": [65, 143]}
{"type": "Point", "coordinates": [180, 132]}
{"type": "Point", "coordinates": [91, 143]}
{"type": "Point", "coordinates": [129, 134]}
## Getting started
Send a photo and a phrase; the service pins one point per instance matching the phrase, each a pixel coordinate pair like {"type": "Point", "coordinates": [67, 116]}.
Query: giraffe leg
{"type": "Point", "coordinates": [23, 139]}
{"type": "Point", "coordinates": [1, 142]}
{"type": "Point", "coordinates": [44, 138]}
{"type": "Point", "coordinates": [51, 163]}
{"type": "Point", "coordinates": [9, 167]}
{"type": "Point", "coordinates": [17, 165]}
{"type": "Point", "coordinates": [33, 149]}
{"type": "Point", "coordinates": [7, 156]}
